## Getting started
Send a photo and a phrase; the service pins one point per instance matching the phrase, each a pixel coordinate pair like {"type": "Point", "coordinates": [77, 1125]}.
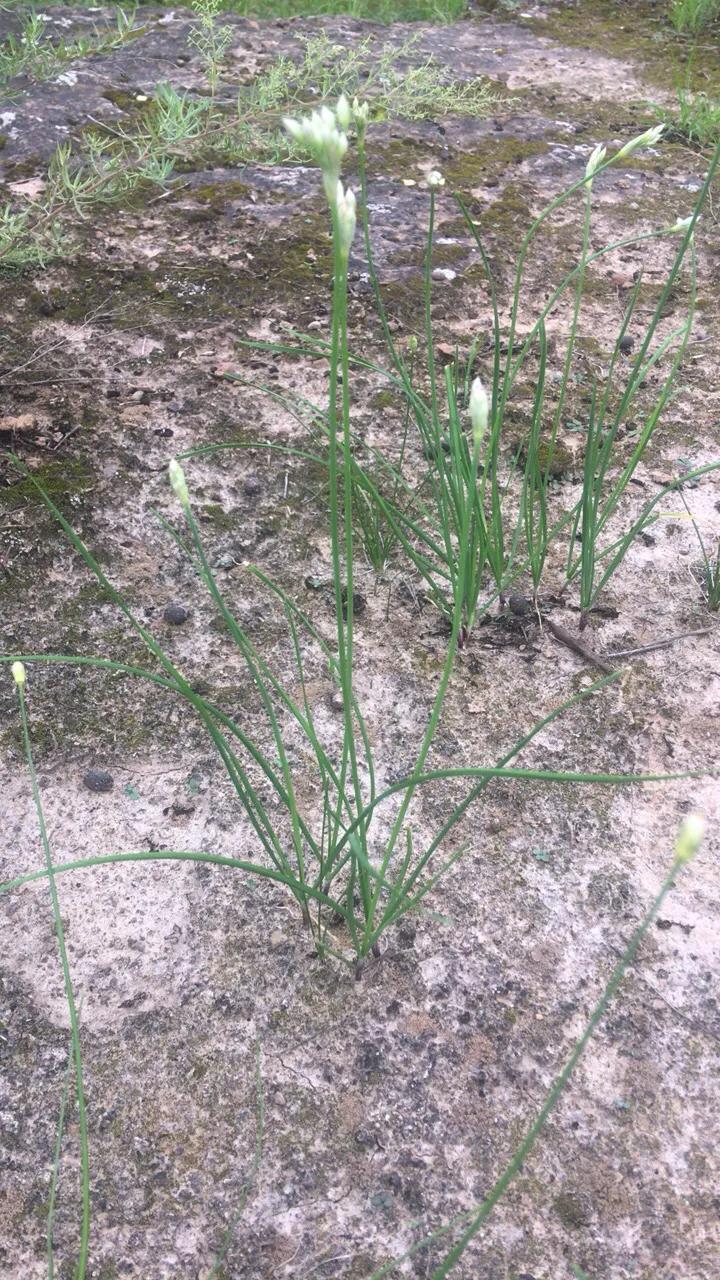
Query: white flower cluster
{"type": "Point", "coordinates": [598, 156]}
{"type": "Point", "coordinates": [324, 135]}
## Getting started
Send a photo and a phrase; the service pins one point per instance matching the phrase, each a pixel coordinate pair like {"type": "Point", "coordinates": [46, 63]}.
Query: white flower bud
{"type": "Point", "coordinates": [689, 837]}
{"type": "Point", "coordinates": [294, 128]}
{"type": "Point", "coordinates": [347, 215]}
{"type": "Point", "coordinates": [343, 113]}
{"type": "Point", "coordinates": [682, 225]}
{"type": "Point", "coordinates": [479, 409]}
{"type": "Point", "coordinates": [435, 179]}
{"type": "Point", "coordinates": [646, 139]}
{"type": "Point", "coordinates": [361, 113]}
{"type": "Point", "coordinates": [178, 482]}
{"type": "Point", "coordinates": [596, 159]}
{"type": "Point", "coordinates": [319, 134]}
{"type": "Point", "coordinates": [18, 673]}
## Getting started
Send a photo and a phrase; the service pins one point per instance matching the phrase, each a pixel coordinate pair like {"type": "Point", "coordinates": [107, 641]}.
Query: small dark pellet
{"type": "Point", "coordinates": [175, 615]}
{"type": "Point", "coordinates": [252, 486]}
{"type": "Point", "coordinates": [98, 780]}
{"type": "Point", "coordinates": [626, 344]}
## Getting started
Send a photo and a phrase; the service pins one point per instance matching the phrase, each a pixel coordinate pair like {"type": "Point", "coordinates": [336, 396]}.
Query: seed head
{"type": "Point", "coordinates": [479, 409]}
{"type": "Point", "coordinates": [18, 673]}
{"type": "Point", "coordinates": [435, 179]}
{"type": "Point", "coordinates": [178, 482]}
{"type": "Point", "coordinates": [689, 837]}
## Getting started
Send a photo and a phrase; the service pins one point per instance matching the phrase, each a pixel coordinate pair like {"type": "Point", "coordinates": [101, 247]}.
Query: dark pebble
{"type": "Point", "coordinates": [252, 486]}
{"type": "Point", "coordinates": [626, 344]}
{"type": "Point", "coordinates": [519, 605]}
{"type": "Point", "coordinates": [175, 615]}
{"type": "Point", "coordinates": [98, 780]}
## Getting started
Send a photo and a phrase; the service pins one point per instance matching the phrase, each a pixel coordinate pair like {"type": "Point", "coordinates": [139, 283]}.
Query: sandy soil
{"type": "Point", "coordinates": [393, 1102]}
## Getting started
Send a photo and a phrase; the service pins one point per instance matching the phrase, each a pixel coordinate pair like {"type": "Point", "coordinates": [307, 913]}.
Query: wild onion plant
{"type": "Point", "coordinates": [495, 552]}
{"type": "Point", "coordinates": [351, 877]}
{"type": "Point", "coordinates": [468, 533]}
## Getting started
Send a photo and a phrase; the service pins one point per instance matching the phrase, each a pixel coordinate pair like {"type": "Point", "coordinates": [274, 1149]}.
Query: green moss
{"type": "Point", "coordinates": [217, 194]}
{"type": "Point", "coordinates": [492, 159]}
{"type": "Point", "coordinates": [65, 481]}
{"type": "Point", "coordinates": [216, 515]}
{"type": "Point", "coordinates": [571, 1209]}
{"type": "Point", "coordinates": [124, 99]}
{"type": "Point", "coordinates": [385, 400]}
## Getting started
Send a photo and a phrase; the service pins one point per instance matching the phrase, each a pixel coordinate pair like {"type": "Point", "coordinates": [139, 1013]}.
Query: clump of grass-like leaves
{"type": "Point", "coordinates": [352, 875]}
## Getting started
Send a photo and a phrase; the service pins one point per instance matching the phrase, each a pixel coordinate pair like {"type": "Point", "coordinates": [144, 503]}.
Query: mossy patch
{"type": "Point", "coordinates": [493, 158]}
{"type": "Point", "coordinates": [65, 482]}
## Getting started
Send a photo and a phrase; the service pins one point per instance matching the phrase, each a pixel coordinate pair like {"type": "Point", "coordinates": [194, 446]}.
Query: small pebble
{"type": "Point", "coordinates": [98, 780]}
{"type": "Point", "coordinates": [626, 344]}
{"type": "Point", "coordinates": [336, 700]}
{"type": "Point", "coordinates": [252, 486]}
{"type": "Point", "coordinates": [175, 615]}
{"type": "Point", "coordinates": [519, 605]}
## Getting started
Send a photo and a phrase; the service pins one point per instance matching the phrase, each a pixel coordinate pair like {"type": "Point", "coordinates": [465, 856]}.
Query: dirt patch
{"type": "Point", "coordinates": [392, 1103]}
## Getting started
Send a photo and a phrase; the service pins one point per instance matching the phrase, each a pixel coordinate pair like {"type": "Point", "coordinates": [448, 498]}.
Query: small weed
{"type": "Point", "coordinates": [31, 54]}
{"type": "Point", "coordinates": [210, 39]}
{"type": "Point", "coordinates": [709, 570]}
{"type": "Point", "coordinates": [697, 118]}
{"type": "Point", "coordinates": [693, 15]}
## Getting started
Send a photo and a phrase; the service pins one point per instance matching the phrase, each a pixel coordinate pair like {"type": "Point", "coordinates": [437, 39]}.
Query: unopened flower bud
{"type": "Point", "coordinates": [682, 225]}
{"type": "Point", "coordinates": [479, 409]}
{"type": "Point", "coordinates": [178, 482]}
{"type": "Point", "coordinates": [18, 673]}
{"type": "Point", "coordinates": [347, 215]}
{"type": "Point", "coordinates": [435, 179]}
{"type": "Point", "coordinates": [412, 344]}
{"type": "Point", "coordinates": [361, 112]}
{"type": "Point", "coordinates": [646, 139]}
{"type": "Point", "coordinates": [596, 159]}
{"type": "Point", "coordinates": [343, 113]}
{"type": "Point", "coordinates": [689, 837]}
